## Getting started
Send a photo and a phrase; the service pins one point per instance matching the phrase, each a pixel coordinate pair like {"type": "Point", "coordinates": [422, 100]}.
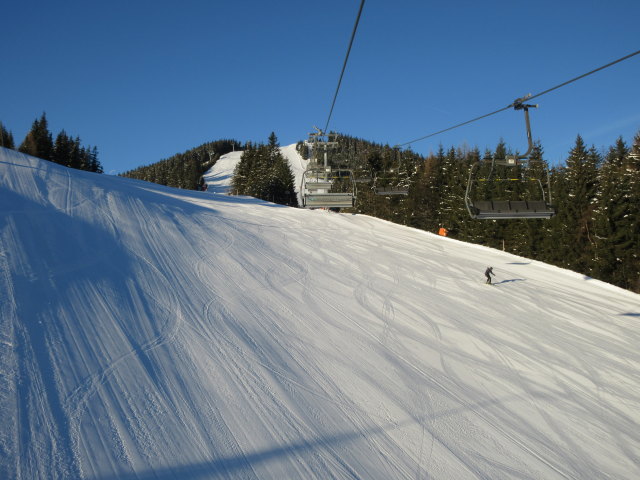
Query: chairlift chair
{"type": "Point", "coordinates": [388, 188]}
{"type": "Point", "coordinates": [328, 188]}
{"type": "Point", "coordinates": [508, 209]}
{"type": "Point", "coordinates": [324, 186]}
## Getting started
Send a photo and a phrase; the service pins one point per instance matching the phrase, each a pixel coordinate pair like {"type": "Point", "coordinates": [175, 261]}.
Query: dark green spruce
{"type": "Point", "coordinates": [65, 150]}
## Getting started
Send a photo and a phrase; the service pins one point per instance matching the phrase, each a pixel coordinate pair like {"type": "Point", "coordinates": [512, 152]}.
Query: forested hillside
{"type": "Point", "coordinates": [596, 194]}
{"type": "Point", "coordinates": [184, 170]}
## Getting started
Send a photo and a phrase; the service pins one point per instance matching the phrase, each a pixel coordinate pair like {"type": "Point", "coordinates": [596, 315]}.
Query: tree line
{"type": "Point", "coordinates": [185, 170]}
{"type": "Point", "coordinates": [261, 173]}
{"type": "Point", "coordinates": [596, 230]}
{"type": "Point", "coordinates": [65, 150]}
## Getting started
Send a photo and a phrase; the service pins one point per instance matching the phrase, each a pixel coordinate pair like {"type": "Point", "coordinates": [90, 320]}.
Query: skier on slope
{"type": "Point", "coordinates": [487, 273]}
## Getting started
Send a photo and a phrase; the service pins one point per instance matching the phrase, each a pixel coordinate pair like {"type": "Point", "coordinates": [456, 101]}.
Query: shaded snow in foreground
{"type": "Point", "coordinates": [147, 332]}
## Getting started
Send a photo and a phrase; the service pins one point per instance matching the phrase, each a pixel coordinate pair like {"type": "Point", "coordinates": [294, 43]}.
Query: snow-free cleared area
{"type": "Point", "coordinates": [154, 333]}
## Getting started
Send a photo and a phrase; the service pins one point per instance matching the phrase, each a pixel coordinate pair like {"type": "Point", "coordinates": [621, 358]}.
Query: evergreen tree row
{"type": "Point", "coordinates": [6, 138]}
{"type": "Point", "coordinates": [597, 197]}
{"type": "Point", "coordinates": [184, 170]}
{"type": "Point", "coordinates": [264, 173]}
{"type": "Point", "coordinates": [65, 150]}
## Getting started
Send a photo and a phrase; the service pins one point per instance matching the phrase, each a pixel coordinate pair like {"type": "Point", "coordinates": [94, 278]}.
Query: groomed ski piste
{"type": "Point", "coordinates": [154, 333]}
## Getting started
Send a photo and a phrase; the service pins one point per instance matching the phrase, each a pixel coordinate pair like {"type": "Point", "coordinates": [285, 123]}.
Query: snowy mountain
{"type": "Point", "coordinates": [148, 332]}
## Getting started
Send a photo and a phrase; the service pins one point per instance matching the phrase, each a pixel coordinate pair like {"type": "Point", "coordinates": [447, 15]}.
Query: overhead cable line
{"type": "Point", "coordinates": [518, 102]}
{"type": "Point", "coordinates": [344, 66]}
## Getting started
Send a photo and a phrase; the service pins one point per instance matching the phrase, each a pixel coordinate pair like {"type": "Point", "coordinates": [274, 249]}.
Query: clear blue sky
{"type": "Point", "coordinates": [143, 80]}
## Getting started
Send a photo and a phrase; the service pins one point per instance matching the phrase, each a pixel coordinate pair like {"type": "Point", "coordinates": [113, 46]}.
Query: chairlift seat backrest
{"type": "Point", "coordinates": [312, 186]}
{"type": "Point", "coordinates": [329, 200]}
{"type": "Point", "coordinates": [483, 205]}
{"type": "Point", "coordinates": [392, 191]}
{"type": "Point", "coordinates": [538, 206]}
{"type": "Point", "coordinates": [519, 205]}
{"type": "Point", "coordinates": [505, 209]}
{"type": "Point", "coordinates": [501, 205]}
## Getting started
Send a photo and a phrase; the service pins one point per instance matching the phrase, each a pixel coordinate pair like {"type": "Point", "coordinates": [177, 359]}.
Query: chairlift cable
{"type": "Point", "coordinates": [318, 187]}
{"type": "Point", "coordinates": [584, 75]}
{"type": "Point", "coordinates": [344, 66]}
{"type": "Point", "coordinates": [519, 101]}
{"type": "Point", "coordinates": [453, 127]}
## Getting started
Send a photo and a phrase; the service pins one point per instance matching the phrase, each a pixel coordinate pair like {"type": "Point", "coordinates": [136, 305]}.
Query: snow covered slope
{"type": "Point", "coordinates": [147, 332]}
{"type": "Point", "coordinates": [218, 178]}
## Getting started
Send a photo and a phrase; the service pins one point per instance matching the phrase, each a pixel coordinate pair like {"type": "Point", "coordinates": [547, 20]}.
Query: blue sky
{"type": "Point", "coordinates": [143, 80]}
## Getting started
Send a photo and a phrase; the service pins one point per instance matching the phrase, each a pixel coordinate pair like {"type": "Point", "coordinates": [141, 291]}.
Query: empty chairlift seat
{"type": "Point", "coordinates": [390, 190]}
{"type": "Point", "coordinates": [323, 188]}
{"type": "Point", "coordinates": [510, 209]}
{"type": "Point", "coordinates": [329, 200]}
{"type": "Point", "coordinates": [319, 186]}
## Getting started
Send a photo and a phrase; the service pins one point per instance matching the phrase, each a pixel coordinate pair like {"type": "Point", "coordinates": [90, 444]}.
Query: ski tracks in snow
{"type": "Point", "coordinates": [230, 330]}
{"type": "Point", "coordinates": [10, 441]}
{"type": "Point", "coordinates": [77, 400]}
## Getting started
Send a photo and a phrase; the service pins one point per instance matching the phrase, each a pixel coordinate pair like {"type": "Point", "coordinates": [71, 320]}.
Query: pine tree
{"type": "Point", "coordinates": [6, 138]}
{"type": "Point", "coordinates": [485, 184]}
{"type": "Point", "coordinates": [616, 218]}
{"type": "Point", "coordinates": [536, 187]}
{"type": "Point", "coordinates": [94, 163]}
{"type": "Point", "coordinates": [477, 231]}
{"type": "Point", "coordinates": [77, 157]}
{"type": "Point", "coordinates": [264, 173]}
{"type": "Point", "coordinates": [451, 210]}
{"type": "Point", "coordinates": [633, 254]}
{"type": "Point", "coordinates": [552, 248]}
{"type": "Point", "coordinates": [38, 142]}
{"type": "Point", "coordinates": [242, 174]}
{"type": "Point", "coordinates": [580, 184]}
{"type": "Point", "coordinates": [62, 149]}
